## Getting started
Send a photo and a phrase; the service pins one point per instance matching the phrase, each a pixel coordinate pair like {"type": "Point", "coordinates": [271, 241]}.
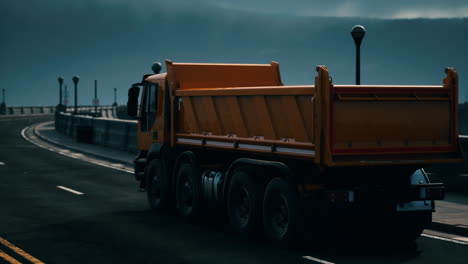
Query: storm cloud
{"type": "Point", "coordinates": [115, 41]}
{"type": "Point", "coordinates": [395, 9]}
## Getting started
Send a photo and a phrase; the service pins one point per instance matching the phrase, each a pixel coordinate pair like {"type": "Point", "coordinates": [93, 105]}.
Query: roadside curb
{"type": "Point", "coordinates": [58, 144]}
{"type": "Point", "coordinates": [448, 228]}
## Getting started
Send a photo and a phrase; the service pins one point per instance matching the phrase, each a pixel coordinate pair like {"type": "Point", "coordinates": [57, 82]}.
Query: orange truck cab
{"type": "Point", "coordinates": [235, 136]}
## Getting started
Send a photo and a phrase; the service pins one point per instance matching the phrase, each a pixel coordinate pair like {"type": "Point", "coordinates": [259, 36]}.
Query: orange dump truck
{"type": "Point", "coordinates": [270, 154]}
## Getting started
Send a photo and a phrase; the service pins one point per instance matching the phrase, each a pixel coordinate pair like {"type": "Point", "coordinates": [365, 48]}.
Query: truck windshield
{"type": "Point", "coordinates": [153, 104]}
{"type": "Point", "coordinates": [150, 107]}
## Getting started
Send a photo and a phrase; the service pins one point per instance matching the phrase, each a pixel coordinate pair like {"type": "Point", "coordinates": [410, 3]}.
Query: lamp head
{"type": "Point", "coordinates": [358, 32]}
{"type": "Point", "coordinates": [76, 78]}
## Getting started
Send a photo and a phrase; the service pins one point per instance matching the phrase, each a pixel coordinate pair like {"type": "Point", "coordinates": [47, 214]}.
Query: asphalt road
{"type": "Point", "coordinates": [110, 221]}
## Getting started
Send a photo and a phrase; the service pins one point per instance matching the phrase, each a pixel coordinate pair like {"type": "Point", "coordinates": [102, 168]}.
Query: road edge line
{"type": "Point", "coordinates": [69, 155]}
{"type": "Point", "coordinates": [58, 144]}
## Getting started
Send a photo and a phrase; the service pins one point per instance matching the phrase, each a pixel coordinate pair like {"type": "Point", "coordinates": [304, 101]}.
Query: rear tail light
{"type": "Point", "coordinates": [432, 193]}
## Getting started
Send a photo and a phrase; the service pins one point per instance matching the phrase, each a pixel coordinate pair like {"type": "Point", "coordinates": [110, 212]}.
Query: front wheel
{"type": "Point", "coordinates": [158, 185]}
{"type": "Point", "coordinates": [282, 220]}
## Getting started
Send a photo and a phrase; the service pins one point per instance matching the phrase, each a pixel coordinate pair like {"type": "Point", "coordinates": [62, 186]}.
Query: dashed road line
{"type": "Point", "coordinates": [18, 251]}
{"type": "Point", "coordinates": [317, 260]}
{"type": "Point", "coordinates": [70, 190]}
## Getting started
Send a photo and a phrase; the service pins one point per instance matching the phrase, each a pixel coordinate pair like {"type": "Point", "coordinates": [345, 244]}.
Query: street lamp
{"type": "Point", "coordinates": [76, 78]}
{"type": "Point", "coordinates": [3, 105]}
{"type": "Point", "coordinates": [358, 32]}
{"type": "Point", "coordinates": [95, 100]}
{"type": "Point", "coordinates": [60, 80]}
{"type": "Point", "coordinates": [156, 67]}
{"type": "Point", "coordinates": [66, 96]}
{"type": "Point", "coordinates": [115, 97]}
{"type": "Point", "coordinates": [60, 106]}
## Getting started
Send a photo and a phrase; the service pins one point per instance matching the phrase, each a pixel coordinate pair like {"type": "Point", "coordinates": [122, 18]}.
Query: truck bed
{"type": "Point", "coordinates": [331, 125]}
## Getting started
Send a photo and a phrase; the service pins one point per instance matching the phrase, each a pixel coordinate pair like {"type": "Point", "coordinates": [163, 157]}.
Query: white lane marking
{"type": "Point", "coordinates": [317, 260]}
{"type": "Point", "coordinates": [461, 238]}
{"type": "Point", "coordinates": [2, 163]}
{"type": "Point", "coordinates": [464, 175]}
{"type": "Point", "coordinates": [70, 190]}
{"type": "Point", "coordinates": [66, 153]}
{"type": "Point", "coordinates": [446, 239]}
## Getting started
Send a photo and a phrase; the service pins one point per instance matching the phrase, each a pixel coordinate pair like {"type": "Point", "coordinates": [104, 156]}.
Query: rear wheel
{"type": "Point", "coordinates": [282, 219]}
{"type": "Point", "coordinates": [158, 185]}
{"type": "Point", "coordinates": [188, 192]}
{"type": "Point", "coordinates": [243, 202]}
{"type": "Point", "coordinates": [409, 226]}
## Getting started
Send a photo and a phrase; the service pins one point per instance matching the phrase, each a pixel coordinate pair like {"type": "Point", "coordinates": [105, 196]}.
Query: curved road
{"type": "Point", "coordinates": [97, 215]}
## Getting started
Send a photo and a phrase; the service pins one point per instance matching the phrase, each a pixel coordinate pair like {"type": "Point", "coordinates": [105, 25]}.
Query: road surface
{"type": "Point", "coordinates": [58, 209]}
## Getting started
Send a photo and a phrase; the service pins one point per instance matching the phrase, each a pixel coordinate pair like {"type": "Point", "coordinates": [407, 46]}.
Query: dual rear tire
{"type": "Point", "coordinates": [243, 202]}
{"type": "Point", "coordinates": [277, 208]}
{"type": "Point", "coordinates": [248, 205]}
{"type": "Point", "coordinates": [282, 219]}
{"type": "Point", "coordinates": [187, 188]}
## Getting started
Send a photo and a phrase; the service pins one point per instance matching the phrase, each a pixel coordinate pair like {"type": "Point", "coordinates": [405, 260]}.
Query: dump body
{"type": "Point", "coordinates": [276, 120]}
{"type": "Point", "coordinates": [333, 125]}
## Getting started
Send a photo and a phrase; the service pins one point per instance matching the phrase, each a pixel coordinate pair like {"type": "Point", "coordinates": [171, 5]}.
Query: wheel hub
{"type": "Point", "coordinates": [279, 214]}
{"type": "Point", "coordinates": [243, 206]}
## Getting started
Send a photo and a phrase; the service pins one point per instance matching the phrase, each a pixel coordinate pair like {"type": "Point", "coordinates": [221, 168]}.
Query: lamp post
{"type": "Point", "coordinates": [3, 105]}
{"type": "Point", "coordinates": [115, 97]}
{"type": "Point", "coordinates": [95, 100]}
{"type": "Point", "coordinates": [60, 80]}
{"type": "Point", "coordinates": [60, 106]}
{"type": "Point", "coordinates": [66, 96]}
{"type": "Point", "coordinates": [76, 78]}
{"type": "Point", "coordinates": [358, 32]}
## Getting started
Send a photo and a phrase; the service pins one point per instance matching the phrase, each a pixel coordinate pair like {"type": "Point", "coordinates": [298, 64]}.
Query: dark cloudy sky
{"type": "Point", "coordinates": [115, 41]}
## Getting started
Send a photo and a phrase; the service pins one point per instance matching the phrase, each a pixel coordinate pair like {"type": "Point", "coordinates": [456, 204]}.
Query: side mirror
{"type": "Point", "coordinates": [132, 103]}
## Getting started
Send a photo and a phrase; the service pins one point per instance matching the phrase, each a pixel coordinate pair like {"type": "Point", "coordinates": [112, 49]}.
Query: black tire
{"type": "Point", "coordinates": [188, 191]}
{"type": "Point", "coordinates": [243, 203]}
{"type": "Point", "coordinates": [158, 185]}
{"type": "Point", "coordinates": [407, 227]}
{"type": "Point", "coordinates": [282, 212]}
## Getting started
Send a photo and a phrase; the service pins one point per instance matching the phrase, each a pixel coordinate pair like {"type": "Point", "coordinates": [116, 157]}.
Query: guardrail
{"type": "Point", "coordinates": [113, 133]}
{"type": "Point", "coordinates": [28, 110]}
{"type": "Point", "coordinates": [104, 111]}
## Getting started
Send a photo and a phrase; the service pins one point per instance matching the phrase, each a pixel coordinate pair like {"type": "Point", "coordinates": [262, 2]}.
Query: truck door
{"type": "Point", "coordinates": [147, 130]}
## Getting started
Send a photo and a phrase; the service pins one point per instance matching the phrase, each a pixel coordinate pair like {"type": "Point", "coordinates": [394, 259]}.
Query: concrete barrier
{"type": "Point", "coordinates": [113, 133]}
{"type": "Point", "coordinates": [29, 110]}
